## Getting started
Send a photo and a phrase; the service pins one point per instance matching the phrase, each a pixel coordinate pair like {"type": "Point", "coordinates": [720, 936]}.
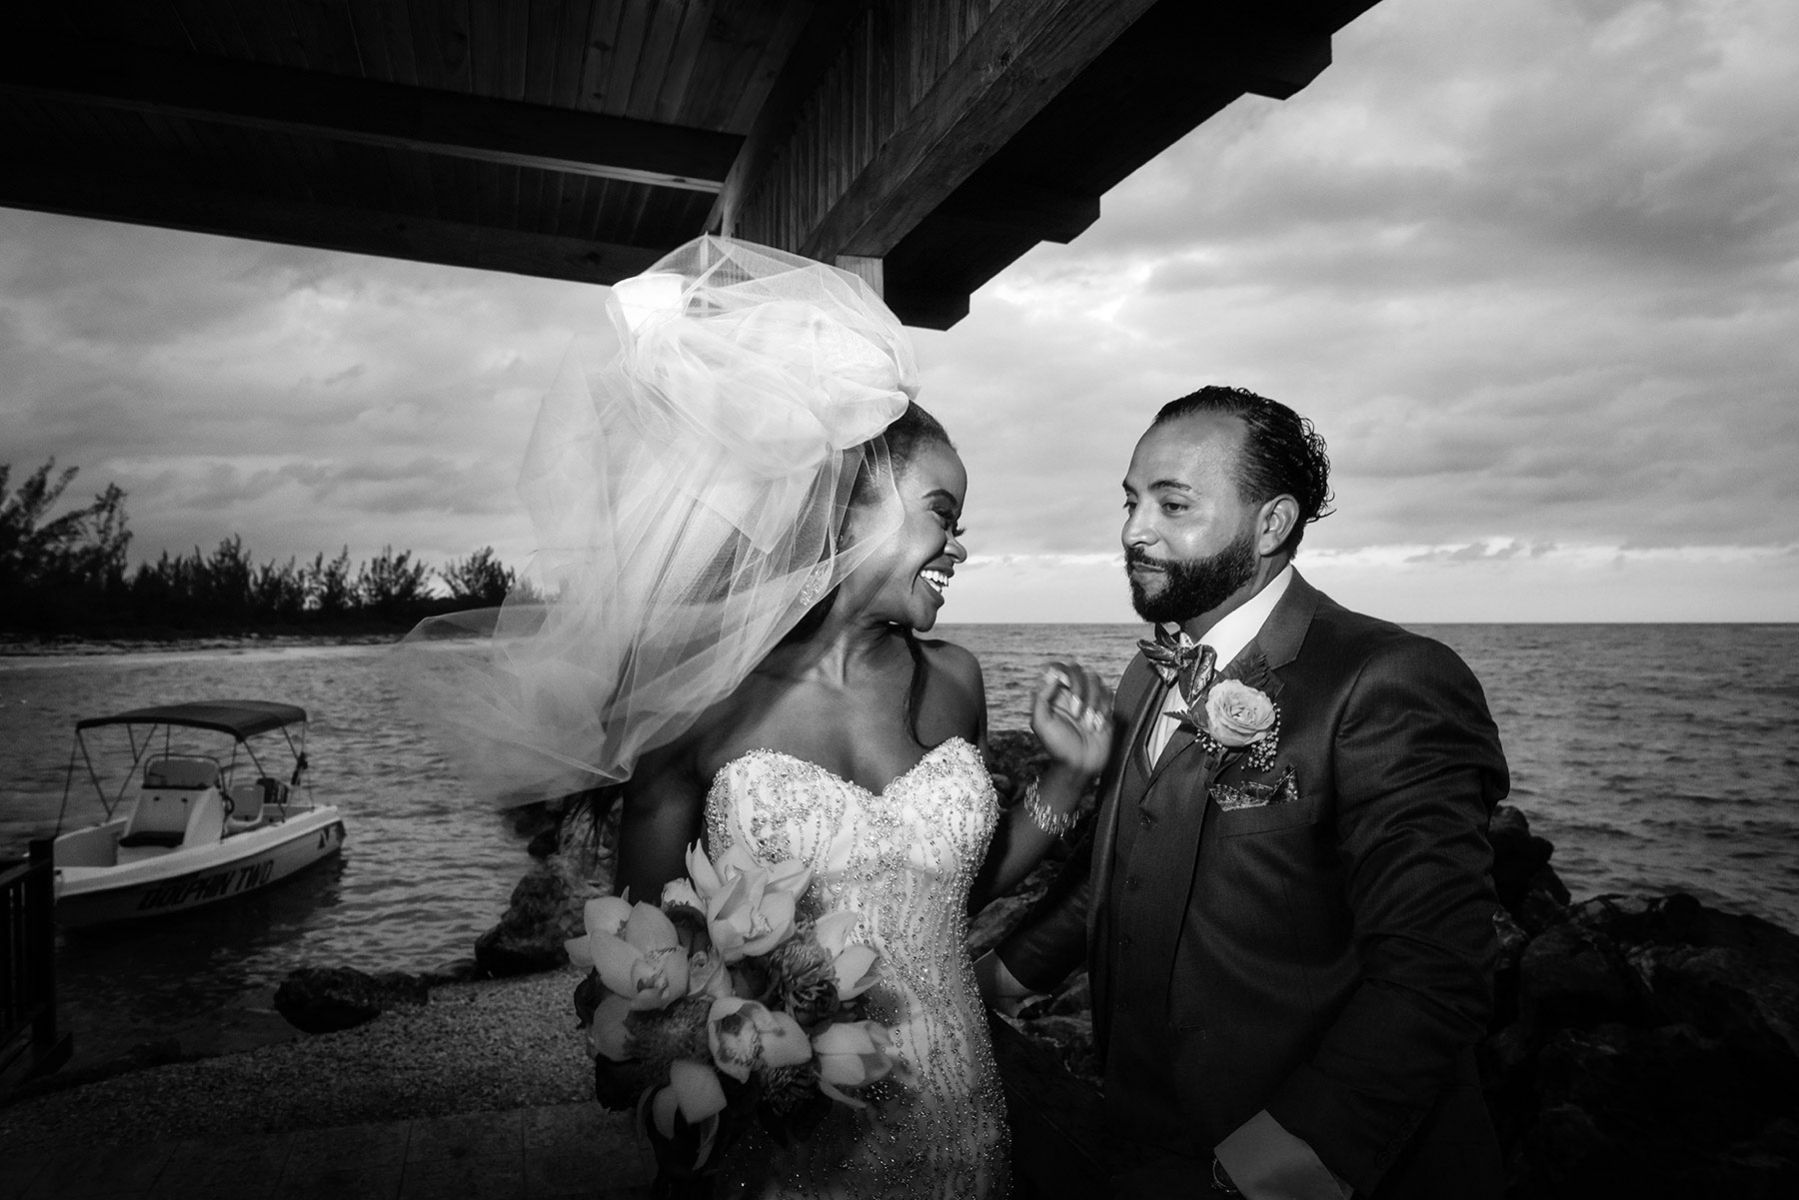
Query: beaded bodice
{"type": "Point", "coordinates": [904, 858]}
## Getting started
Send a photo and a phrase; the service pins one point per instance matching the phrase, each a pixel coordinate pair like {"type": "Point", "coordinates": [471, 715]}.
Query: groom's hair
{"type": "Point", "coordinates": [1282, 453]}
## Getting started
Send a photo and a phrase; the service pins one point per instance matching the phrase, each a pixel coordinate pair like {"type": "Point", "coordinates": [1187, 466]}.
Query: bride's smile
{"type": "Point", "coordinates": [906, 579]}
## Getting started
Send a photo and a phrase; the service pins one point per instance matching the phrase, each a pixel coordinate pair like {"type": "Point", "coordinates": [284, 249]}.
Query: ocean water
{"type": "Point", "coordinates": [1655, 757]}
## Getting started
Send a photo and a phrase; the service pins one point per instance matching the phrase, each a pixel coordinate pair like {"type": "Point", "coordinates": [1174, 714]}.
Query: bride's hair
{"type": "Point", "coordinates": [884, 459]}
{"type": "Point", "coordinates": [911, 430]}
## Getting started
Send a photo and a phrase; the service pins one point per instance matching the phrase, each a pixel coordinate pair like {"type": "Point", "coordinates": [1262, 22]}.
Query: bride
{"type": "Point", "coordinates": [747, 523]}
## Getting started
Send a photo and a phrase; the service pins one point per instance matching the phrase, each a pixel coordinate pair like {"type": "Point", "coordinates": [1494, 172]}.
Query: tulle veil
{"type": "Point", "coordinates": [688, 481]}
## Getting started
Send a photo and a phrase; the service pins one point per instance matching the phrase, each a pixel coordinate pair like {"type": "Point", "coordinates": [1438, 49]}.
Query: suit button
{"type": "Point", "coordinates": [1124, 941]}
{"type": "Point", "coordinates": [1131, 883]}
{"type": "Point", "coordinates": [1147, 820]}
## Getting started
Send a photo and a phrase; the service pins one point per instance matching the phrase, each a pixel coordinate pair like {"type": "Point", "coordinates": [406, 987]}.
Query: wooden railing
{"type": "Point", "coordinates": [30, 1043]}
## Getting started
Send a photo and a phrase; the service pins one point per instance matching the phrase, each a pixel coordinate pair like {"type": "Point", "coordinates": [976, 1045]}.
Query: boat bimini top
{"type": "Point", "coordinates": [240, 720]}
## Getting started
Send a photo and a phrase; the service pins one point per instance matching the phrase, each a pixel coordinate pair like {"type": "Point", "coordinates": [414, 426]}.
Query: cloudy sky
{"type": "Point", "coordinates": [1532, 268]}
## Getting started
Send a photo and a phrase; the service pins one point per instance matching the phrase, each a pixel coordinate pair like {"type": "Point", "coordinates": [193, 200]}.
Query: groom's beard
{"type": "Point", "coordinates": [1191, 586]}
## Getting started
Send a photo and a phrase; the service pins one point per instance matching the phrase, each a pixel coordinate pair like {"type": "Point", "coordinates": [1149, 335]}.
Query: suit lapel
{"type": "Point", "coordinates": [1277, 643]}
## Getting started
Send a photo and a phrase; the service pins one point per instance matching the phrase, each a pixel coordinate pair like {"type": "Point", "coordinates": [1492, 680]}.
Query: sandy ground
{"type": "Point", "coordinates": [475, 1047]}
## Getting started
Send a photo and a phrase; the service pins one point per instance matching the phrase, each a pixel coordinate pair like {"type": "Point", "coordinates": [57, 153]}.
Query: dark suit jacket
{"type": "Point", "coordinates": [1327, 954]}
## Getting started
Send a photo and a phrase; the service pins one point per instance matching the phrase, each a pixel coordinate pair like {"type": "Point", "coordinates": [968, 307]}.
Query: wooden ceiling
{"type": "Point", "coordinates": [925, 143]}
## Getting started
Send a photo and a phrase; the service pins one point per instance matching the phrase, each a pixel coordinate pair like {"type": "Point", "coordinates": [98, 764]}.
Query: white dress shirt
{"type": "Point", "coordinates": [1235, 630]}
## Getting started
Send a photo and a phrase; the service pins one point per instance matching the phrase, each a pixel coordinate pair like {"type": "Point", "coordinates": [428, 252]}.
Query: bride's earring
{"type": "Point", "coordinates": [815, 586]}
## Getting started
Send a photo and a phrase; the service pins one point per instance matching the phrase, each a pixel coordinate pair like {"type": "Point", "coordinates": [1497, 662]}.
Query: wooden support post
{"type": "Point", "coordinates": [865, 268]}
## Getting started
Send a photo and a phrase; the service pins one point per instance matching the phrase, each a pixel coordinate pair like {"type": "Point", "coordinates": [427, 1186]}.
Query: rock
{"type": "Point", "coordinates": [1647, 1046]}
{"type": "Point", "coordinates": [587, 838]}
{"type": "Point", "coordinates": [1637, 1112]}
{"type": "Point", "coordinates": [1733, 995]}
{"type": "Point", "coordinates": [1528, 887]}
{"type": "Point", "coordinates": [1014, 758]}
{"type": "Point", "coordinates": [1075, 996]}
{"type": "Point", "coordinates": [457, 970]}
{"type": "Point", "coordinates": [1571, 975]}
{"type": "Point", "coordinates": [326, 999]}
{"type": "Point", "coordinates": [1072, 1037]}
{"type": "Point", "coordinates": [997, 919]}
{"type": "Point", "coordinates": [544, 913]}
{"type": "Point", "coordinates": [529, 820]}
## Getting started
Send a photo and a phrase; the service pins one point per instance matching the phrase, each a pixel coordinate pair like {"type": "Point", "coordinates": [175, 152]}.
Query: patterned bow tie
{"type": "Point", "coordinates": [1181, 661]}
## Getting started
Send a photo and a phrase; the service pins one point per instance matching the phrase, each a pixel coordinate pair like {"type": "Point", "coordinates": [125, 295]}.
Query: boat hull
{"type": "Point", "coordinates": [186, 879]}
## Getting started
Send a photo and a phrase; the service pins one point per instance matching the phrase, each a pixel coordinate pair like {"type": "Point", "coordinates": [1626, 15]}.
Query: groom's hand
{"type": "Point", "coordinates": [1071, 714]}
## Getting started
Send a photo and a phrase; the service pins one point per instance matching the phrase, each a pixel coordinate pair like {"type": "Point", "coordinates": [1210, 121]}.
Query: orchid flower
{"type": "Point", "coordinates": [853, 964]}
{"type": "Point", "coordinates": [707, 975]}
{"type": "Point", "coordinates": [642, 960]}
{"type": "Point", "coordinates": [749, 907]}
{"type": "Point", "coordinates": [607, 1036]}
{"type": "Point", "coordinates": [693, 1091]}
{"type": "Point", "coordinates": [681, 893]}
{"type": "Point", "coordinates": [851, 1054]}
{"type": "Point", "coordinates": [745, 1035]}
{"type": "Point", "coordinates": [607, 915]}
{"type": "Point", "coordinates": [790, 875]}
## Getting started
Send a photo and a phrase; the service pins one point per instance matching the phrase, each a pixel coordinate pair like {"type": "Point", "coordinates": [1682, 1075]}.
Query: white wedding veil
{"type": "Point", "coordinates": [690, 494]}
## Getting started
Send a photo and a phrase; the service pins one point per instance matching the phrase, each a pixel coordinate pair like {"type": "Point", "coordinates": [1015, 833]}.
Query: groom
{"type": "Point", "coordinates": [1284, 903]}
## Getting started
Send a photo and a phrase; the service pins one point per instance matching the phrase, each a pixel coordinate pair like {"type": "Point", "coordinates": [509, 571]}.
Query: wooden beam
{"type": "Point", "coordinates": [285, 99]}
{"type": "Point", "coordinates": [816, 48]}
{"type": "Point", "coordinates": [923, 309]}
{"type": "Point", "coordinates": [159, 202]}
{"type": "Point", "coordinates": [1022, 55]}
{"type": "Point", "coordinates": [1049, 214]}
{"type": "Point", "coordinates": [1277, 70]}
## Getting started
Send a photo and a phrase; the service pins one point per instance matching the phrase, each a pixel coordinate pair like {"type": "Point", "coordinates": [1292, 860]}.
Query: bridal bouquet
{"type": "Point", "coordinates": [719, 1003]}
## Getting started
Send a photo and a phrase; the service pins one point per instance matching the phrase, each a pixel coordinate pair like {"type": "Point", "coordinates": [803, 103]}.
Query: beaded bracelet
{"type": "Point", "coordinates": [1049, 821]}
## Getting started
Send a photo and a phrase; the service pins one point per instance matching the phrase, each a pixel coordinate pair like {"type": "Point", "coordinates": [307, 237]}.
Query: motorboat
{"type": "Point", "coordinates": [185, 828]}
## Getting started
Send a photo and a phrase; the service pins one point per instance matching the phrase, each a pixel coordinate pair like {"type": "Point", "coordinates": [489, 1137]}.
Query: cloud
{"type": "Point", "coordinates": [1532, 269]}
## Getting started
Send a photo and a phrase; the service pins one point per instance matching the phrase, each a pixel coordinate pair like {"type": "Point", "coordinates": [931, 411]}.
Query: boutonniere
{"type": "Point", "coordinates": [1236, 716]}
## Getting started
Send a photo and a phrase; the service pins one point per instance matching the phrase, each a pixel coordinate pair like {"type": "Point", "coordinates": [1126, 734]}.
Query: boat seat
{"type": "Point", "coordinates": [248, 800]}
{"type": "Point", "coordinates": [158, 820]}
{"type": "Point", "coordinates": [181, 773]}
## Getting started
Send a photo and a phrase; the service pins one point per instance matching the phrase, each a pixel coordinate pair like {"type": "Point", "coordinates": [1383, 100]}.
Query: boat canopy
{"type": "Point", "coordinates": [239, 718]}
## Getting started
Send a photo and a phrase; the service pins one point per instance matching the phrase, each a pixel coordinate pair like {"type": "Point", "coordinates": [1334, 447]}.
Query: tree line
{"type": "Point", "coordinates": [69, 575]}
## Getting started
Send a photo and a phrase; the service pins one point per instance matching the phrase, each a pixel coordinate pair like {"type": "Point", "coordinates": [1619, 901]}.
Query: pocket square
{"type": "Point", "coordinates": [1231, 798]}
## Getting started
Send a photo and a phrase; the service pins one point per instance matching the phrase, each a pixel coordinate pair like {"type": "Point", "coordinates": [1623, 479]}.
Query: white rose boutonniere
{"type": "Point", "coordinates": [1236, 717]}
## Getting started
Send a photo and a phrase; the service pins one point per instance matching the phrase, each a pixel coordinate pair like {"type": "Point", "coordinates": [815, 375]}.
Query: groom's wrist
{"type": "Point", "coordinates": [1263, 1161]}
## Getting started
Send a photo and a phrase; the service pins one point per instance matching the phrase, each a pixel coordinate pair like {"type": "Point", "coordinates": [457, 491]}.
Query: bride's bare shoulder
{"type": "Point", "coordinates": [953, 662]}
{"type": "Point", "coordinates": [955, 690]}
{"type": "Point", "coordinates": [734, 725]}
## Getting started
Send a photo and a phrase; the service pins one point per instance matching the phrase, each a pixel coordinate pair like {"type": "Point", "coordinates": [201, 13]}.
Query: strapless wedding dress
{"type": "Point", "coordinates": [904, 859]}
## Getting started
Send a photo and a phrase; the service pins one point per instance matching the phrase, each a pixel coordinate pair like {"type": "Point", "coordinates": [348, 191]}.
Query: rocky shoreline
{"type": "Point", "coordinates": [1643, 1046]}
